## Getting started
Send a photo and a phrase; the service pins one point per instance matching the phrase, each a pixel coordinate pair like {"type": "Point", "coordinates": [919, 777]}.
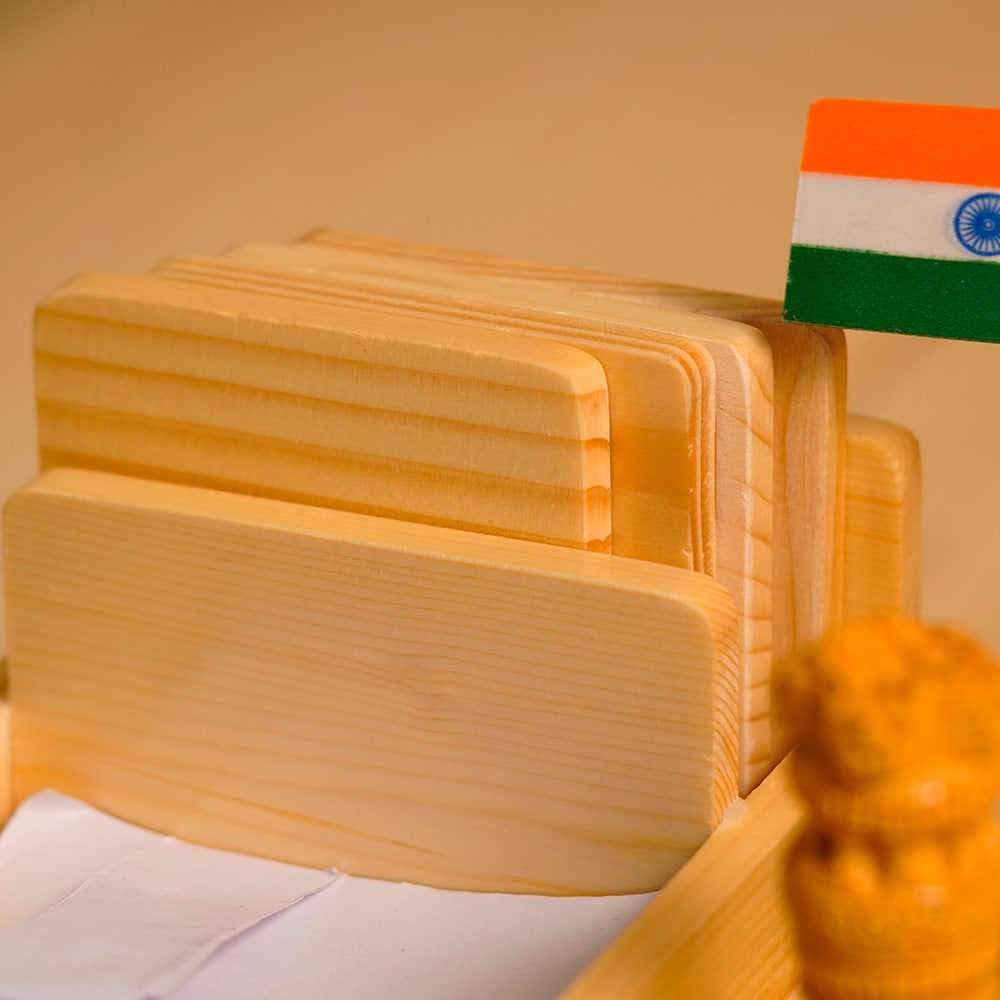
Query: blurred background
{"type": "Point", "coordinates": [651, 139]}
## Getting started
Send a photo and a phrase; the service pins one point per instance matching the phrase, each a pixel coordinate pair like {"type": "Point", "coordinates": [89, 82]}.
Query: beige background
{"type": "Point", "coordinates": [656, 139]}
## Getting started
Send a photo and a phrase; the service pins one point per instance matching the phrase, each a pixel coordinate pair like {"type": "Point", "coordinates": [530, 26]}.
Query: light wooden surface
{"type": "Point", "coordinates": [810, 413]}
{"type": "Point", "coordinates": [662, 430]}
{"type": "Point", "coordinates": [882, 520]}
{"type": "Point", "coordinates": [810, 405]}
{"type": "Point", "coordinates": [6, 769]}
{"type": "Point", "coordinates": [735, 510]}
{"type": "Point", "coordinates": [720, 929]}
{"type": "Point", "coordinates": [804, 524]}
{"type": "Point", "coordinates": [396, 700]}
{"type": "Point", "coordinates": [335, 407]}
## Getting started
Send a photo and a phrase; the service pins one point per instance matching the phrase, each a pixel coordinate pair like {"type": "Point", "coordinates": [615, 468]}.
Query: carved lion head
{"type": "Point", "coordinates": [891, 695]}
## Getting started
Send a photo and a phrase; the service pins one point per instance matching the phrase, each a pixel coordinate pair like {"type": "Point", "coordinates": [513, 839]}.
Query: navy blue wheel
{"type": "Point", "coordinates": [977, 224]}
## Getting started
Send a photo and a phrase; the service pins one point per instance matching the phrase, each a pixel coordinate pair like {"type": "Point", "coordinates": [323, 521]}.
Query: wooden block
{"type": "Point", "coordinates": [398, 700]}
{"type": "Point", "coordinates": [326, 405]}
{"type": "Point", "coordinates": [882, 521]}
{"type": "Point", "coordinates": [662, 420]}
{"type": "Point", "coordinates": [810, 372]}
{"type": "Point", "coordinates": [6, 771]}
{"type": "Point", "coordinates": [809, 462]}
{"type": "Point", "coordinates": [740, 359]}
{"type": "Point", "coordinates": [810, 413]}
{"type": "Point", "coordinates": [475, 262]}
{"type": "Point", "coordinates": [720, 929]}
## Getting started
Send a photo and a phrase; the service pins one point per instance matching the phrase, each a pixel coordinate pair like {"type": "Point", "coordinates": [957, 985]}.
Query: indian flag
{"type": "Point", "coordinates": [897, 222]}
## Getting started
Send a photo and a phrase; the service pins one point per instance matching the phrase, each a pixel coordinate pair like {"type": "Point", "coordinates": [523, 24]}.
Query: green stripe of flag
{"type": "Point", "coordinates": [959, 299]}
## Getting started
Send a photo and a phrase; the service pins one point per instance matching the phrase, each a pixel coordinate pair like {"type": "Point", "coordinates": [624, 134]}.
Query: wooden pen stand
{"type": "Point", "coordinates": [449, 680]}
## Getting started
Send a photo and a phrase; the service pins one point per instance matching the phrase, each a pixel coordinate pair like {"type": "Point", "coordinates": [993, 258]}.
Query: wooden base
{"type": "Point", "coordinates": [731, 360]}
{"type": "Point", "coordinates": [395, 700]}
{"type": "Point", "coordinates": [882, 520]}
{"type": "Point", "coordinates": [720, 929]}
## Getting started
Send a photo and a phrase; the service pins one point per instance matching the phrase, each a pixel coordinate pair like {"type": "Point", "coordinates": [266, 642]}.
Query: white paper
{"type": "Point", "coordinates": [100, 910]}
{"type": "Point", "coordinates": [360, 939]}
{"type": "Point", "coordinates": [91, 907]}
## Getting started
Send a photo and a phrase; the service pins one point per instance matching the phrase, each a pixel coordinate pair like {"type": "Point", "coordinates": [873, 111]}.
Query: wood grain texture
{"type": "Point", "coordinates": [326, 405]}
{"type": "Point", "coordinates": [720, 928]}
{"type": "Point", "coordinates": [398, 700]}
{"type": "Point", "coordinates": [810, 407]}
{"type": "Point", "coordinates": [809, 457]}
{"type": "Point", "coordinates": [662, 419]}
{"type": "Point", "coordinates": [6, 766]}
{"type": "Point", "coordinates": [882, 520]}
{"type": "Point", "coordinates": [810, 413]}
{"type": "Point", "coordinates": [745, 415]}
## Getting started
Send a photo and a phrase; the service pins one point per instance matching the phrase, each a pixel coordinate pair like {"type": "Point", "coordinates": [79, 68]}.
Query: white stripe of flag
{"type": "Point", "coordinates": [908, 218]}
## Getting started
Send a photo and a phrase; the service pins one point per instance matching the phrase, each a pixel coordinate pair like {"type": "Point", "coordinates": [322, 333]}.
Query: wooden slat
{"type": "Point", "coordinates": [6, 767]}
{"type": "Point", "coordinates": [810, 390]}
{"type": "Point", "coordinates": [662, 420]}
{"type": "Point", "coordinates": [810, 407]}
{"type": "Point", "coordinates": [882, 520]}
{"type": "Point", "coordinates": [740, 358]}
{"type": "Point", "coordinates": [398, 700]}
{"type": "Point", "coordinates": [720, 929]}
{"type": "Point", "coordinates": [326, 405]}
{"type": "Point", "coordinates": [810, 413]}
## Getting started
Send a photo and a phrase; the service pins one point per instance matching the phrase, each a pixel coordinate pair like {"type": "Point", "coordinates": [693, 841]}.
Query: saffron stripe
{"type": "Point", "coordinates": [917, 142]}
{"type": "Point", "coordinates": [918, 295]}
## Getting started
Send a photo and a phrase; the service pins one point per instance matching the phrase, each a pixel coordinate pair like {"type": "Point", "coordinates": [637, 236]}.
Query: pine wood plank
{"type": "Point", "coordinates": [326, 405]}
{"type": "Point", "coordinates": [719, 930]}
{"type": "Point", "coordinates": [810, 389]}
{"type": "Point", "coordinates": [6, 766]}
{"type": "Point", "coordinates": [662, 420]}
{"type": "Point", "coordinates": [882, 520]}
{"type": "Point", "coordinates": [740, 358]}
{"type": "Point", "coordinates": [399, 700]}
{"type": "Point", "coordinates": [810, 413]}
{"type": "Point", "coordinates": [810, 461]}
{"type": "Point", "coordinates": [809, 465]}
{"type": "Point", "coordinates": [810, 365]}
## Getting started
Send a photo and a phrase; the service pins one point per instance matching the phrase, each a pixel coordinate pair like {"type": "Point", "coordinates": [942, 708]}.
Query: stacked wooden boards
{"type": "Point", "coordinates": [397, 700]}
{"type": "Point", "coordinates": [328, 409]}
{"type": "Point", "coordinates": [268, 677]}
{"type": "Point", "coordinates": [325, 405]}
{"type": "Point", "coordinates": [780, 412]}
{"type": "Point", "coordinates": [655, 472]}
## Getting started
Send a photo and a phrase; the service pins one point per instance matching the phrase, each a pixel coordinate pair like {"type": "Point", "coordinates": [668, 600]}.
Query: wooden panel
{"type": "Point", "coordinates": [326, 405]}
{"type": "Point", "coordinates": [810, 404]}
{"type": "Point", "coordinates": [662, 418]}
{"type": "Point", "coordinates": [882, 520]}
{"type": "Point", "coordinates": [6, 772]}
{"type": "Point", "coordinates": [810, 413]}
{"type": "Point", "coordinates": [720, 929]}
{"type": "Point", "coordinates": [399, 700]}
{"type": "Point", "coordinates": [739, 356]}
